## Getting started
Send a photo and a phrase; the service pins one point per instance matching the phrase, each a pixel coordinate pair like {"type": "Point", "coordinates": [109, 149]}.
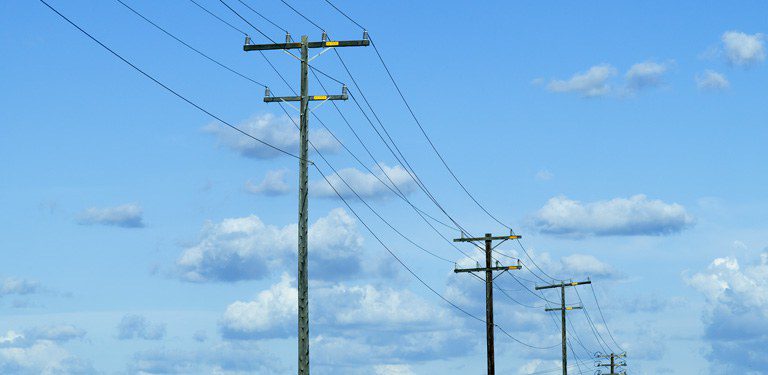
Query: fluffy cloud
{"type": "Point", "coordinates": [277, 131]}
{"type": "Point", "coordinates": [30, 353]}
{"type": "Point", "coordinates": [273, 184]}
{"type": "Point", "coordinates": [712, 81]}
{"type": "Point", "coordinates": [645, 75]}
{"type": "Point", "coordinates": [268, 315]}
{"type": "Point", "coordinates": [592, 83]}
{"type": "Point", "coordinates": [636, 215]}
{"type": "Point", "coordinates": [336, 307]}
{"type": "Point", "coordinates": [138, 327]}
{"type": "Point", "coordinates": [736, 316]}
{"type": "Point", "coordinates": [125, 216]}
{"type": "Point", "coordinates": [246, 248]}
{"type": "Point", "coordinates": [364, 183]}
{"type": "Point", "coordinates": [743, 49]}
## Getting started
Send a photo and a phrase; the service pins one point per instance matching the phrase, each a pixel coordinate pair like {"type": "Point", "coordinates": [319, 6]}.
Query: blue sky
{"type": "Point", "coordinates": [624, 141]}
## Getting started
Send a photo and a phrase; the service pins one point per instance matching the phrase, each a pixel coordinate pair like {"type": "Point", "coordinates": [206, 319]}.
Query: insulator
{"type": "Point", "coordinates": [287, 37]}
{"type": "Point", "coordinates": [247, 40]}
{"type": "Point", "coordinates": [267, 92]}
{"type": "Point", "coordinates": [365, 34]}
{"type": "Point", "coordinates": [325, 36]}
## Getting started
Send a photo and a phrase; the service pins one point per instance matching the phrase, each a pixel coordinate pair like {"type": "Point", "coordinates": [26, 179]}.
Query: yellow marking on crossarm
{"type": "Point", "coordinates": [320, 97]}
{"type": "Point", "coordinates": [569, 308]}
{"type": "Point", "coordinates": [331, 44]}
{"type": "Point", "coordinates": [574, 284]}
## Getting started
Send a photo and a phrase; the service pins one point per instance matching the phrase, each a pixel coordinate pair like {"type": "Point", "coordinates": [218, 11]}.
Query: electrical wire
{"type": "Point", "coordinates": [167, 88]}
{"type": "Point", "coordinates": [262, 16]}
{"type": "Point", "coordinates": [166, 32]}
{"type": "Point", "coordinates": [603, 318]}
{"type": "Point", "coordinates": [313, 164]}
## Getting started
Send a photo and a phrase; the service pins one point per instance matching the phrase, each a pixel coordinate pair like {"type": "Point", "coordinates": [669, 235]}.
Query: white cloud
{"type": "Point", "coordinates": [277, 131]}
{"type": "Point", "coordinates": [592, 83]}
{"type": "Point", "coordinates": [365, 184]}
{"type": "Point", "coordinates": [138, 327]}
{"type": "Point", "coordinates": [736, 314]}
{"type": "Point", "coordinates": [539, 366]}
{"type": "Point", "coordinates": [743, 49]}
{"type": "Point", "coordinates": [636, 215]}
{"type": "Point", "coordinates": [125, 216]}
{"type": "Point", "coordinates": [273, 184]}
{"type": "Point", "coordinates": [269, 314]}
{"type": "Point", "coordinates": [335, 307]}
{"type": "Point", "coordinates": [645, 75]}
{"type": "Point", "coordinates": [711, 80]}
{"type": "Point", "coordinates": [246, 248]}
{"type": "Point", "coordinates": [22, 353]}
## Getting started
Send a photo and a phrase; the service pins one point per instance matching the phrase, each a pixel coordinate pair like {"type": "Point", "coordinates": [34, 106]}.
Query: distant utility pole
{"type": "Point", "coordinates": [488, 269]}
{"type": "Point", "coordinates": [304, 99]}
{"type": "Point", "coordinates": [563, 308]}
{"type": "Point", "coordinates": [613, 364]}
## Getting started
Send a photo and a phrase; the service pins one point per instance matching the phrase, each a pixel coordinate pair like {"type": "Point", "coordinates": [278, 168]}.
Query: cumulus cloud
{"type": "Point", "coordinates": [365, 184]}
{"type": "Point", "coordinates": [337, 307]}
{"type": "Point", "coordinates": [30, 353]}
{"type": "Point", "coordinates": [645, 75]}
{"type": "Point", "coordinates": [743, 49]}
{"type": "Point", "coordinates": [636, 215]}
{"type": "Point", "coordinates": [246, 249]}
{"type": "Point", "coordinates": [712, 81]}
{"type": "Point", "coordinates": [736, 314]}
{"type": "Point", "coordinates": [592, 83]}
{"type": "Point", "coordinates": [138, 327]}
{"type": "Point", "coordinates": [273, 184]}
{"type": "Point", "coordinates": [267, 315]}
{"type": "Point", "coordinates": [277, 131]}
{"type": "Point", "coordinates": [125, 216]}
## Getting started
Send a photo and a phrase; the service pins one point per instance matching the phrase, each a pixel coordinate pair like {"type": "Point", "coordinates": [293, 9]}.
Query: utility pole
{"type": "Point", "coordinates": [488, 269]}
{"type": "Point", "coordinates": [304, 99]}
{"type": "Point", "coordinates": [563, 308]}
{"type": "Point", "coordinates": [613, 364]}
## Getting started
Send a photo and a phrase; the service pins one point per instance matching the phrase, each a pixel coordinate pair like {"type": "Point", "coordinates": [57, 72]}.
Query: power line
{"type": "Point", "coordinates": [416, 276]}
{"type": "Point", "coordinates": [166, 32]}
{"type": "Point", "coordinates": [219, 18]}
{"type": "Point", "coordinates": [413, 115]}
{"type": "Point", "coordinates": [263, 17]}
{"type": "Point", "coordinates": [604, 322]}
{"type": "Point", "coordinates": [155, 80]}
{"type": "Point", "coordinates": [340, 142]}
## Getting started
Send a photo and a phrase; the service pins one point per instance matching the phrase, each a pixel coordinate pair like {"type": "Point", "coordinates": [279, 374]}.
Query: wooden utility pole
{"type": "Point", "coordinates": [613, 364]}
{"type": "Point", "coordinates": [488, 269]}
{"type": "Point", "coordinates": [563, 308]}
{"type": "Point", "coordinates": [304, 99]}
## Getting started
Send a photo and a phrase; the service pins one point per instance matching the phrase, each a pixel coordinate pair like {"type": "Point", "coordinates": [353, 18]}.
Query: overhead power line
{"type": "Point", "coordinates": [167, 88]}
{"type": "Point", "coordinates": [166, 32]}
